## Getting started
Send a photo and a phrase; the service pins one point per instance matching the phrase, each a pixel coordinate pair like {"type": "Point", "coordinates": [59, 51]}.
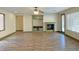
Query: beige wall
{"type": "Point", "coordinates": [59, 23]}
{"type": "Point", "coordinates": [69, 32]}
{"type": "Point", "coordinates": [19, 22]}
{"type": "Point", "coordinates": [50, 18]}
{"type": "Point", "coordinates": [27, 23]}
{"type": "Point", "coordinates": [27, 26]}
{"type": "Point", "coordinates": [10, 24]}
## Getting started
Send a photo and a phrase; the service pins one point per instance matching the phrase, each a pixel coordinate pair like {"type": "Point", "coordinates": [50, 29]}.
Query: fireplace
{"type": "Point", "coordinates": [50, 26]}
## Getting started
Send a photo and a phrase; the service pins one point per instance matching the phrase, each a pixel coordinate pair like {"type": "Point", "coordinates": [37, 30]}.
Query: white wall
{"type": "Point", "coordinates": [27, 26]}
{"type": "Point", "coordinates": [50, 18]}
{"type": "Point", "coordinates": [10, 25]}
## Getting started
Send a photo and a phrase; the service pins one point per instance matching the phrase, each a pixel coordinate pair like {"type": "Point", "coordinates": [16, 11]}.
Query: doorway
{"type": "Point", "coordinates": [63, 23]}
{"type": "Point", "coordinates": [19, 23]}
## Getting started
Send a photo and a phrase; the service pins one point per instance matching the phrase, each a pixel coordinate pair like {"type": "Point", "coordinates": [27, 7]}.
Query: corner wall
{"type": "Point", "coordinates": [27, 23]}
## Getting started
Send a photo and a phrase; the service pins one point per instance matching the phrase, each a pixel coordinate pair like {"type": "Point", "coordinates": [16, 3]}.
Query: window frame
{"type": "Point", "coordinates": [3, 22]}
{"type": "Point", "coordinates": [71, 21]}
{"type": "Point", "coordinates": [63, 14]}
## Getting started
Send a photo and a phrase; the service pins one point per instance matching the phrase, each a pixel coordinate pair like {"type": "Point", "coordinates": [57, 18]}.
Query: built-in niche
{"type": "Point", "coordinates": [37, 22]}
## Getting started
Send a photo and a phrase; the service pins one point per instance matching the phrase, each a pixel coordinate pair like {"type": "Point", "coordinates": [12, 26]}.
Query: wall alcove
{"type": "Point", "coordinates": [37, 22]}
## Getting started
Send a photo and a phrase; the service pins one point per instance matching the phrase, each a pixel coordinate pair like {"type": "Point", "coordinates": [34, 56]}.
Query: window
{"type": "Point", "coordinates": [63, 18]}
{"type": "Point", "coordinates": [2, 22]}
{"type": "Point", "coordinates": [73, 22]}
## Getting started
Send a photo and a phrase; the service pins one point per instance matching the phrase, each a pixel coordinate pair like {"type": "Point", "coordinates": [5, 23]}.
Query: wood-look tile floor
{"type": "Point", "coordinates": [38, 41]}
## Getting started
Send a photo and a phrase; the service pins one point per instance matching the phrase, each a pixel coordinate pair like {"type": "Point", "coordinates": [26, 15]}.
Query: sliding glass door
{"type": "Point", "coordinates": [63, 22]}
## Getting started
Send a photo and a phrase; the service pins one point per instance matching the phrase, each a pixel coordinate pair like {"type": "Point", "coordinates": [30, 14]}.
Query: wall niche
{"type": "Point", "coordinates": [37, 22]}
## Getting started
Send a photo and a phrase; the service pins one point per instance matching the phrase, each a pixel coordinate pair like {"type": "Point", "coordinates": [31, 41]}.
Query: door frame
{"type": "Point", "coordinates": [64, 22]}
{"type": "Point", "coordinates": [22, 24]}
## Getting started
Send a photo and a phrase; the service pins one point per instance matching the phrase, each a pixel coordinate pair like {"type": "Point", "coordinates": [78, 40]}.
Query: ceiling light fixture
{"type": "Point", "coordinates": [36, 11]}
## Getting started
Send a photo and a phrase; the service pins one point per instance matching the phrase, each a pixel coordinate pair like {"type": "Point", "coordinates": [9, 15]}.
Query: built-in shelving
{"type": "Point", "coordinates": [37, 22]}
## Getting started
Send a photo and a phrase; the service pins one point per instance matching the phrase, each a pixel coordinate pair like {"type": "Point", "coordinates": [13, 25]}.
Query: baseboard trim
{"type": "Point", "coordinates": [6, 36]}
{"type": "Point", "coordinates": [58, 31]}
{"type": "Point", "coordinates": [68, 35]}
{"type": "Point", "coordinates": [72, 37]}
{"type": "Point", "coordinates": [19, 30]}
{"type": "Point", "coordinates": [27, 31]}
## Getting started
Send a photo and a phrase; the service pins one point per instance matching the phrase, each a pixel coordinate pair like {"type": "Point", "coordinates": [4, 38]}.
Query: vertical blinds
{"type": "Point", "coordinates": [72, 21]}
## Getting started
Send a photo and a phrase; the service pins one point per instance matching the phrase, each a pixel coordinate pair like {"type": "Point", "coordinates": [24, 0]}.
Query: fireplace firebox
{"type": "Point", "coordinates": [50, 26]}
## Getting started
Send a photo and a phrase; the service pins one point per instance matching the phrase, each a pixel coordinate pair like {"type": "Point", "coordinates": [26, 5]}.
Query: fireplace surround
{"type": "Point", "coordinates": [50, 26]}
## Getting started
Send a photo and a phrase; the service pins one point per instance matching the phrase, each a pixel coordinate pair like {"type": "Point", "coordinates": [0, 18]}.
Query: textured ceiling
{"type": "Point", "coordinates": [29, 10]}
